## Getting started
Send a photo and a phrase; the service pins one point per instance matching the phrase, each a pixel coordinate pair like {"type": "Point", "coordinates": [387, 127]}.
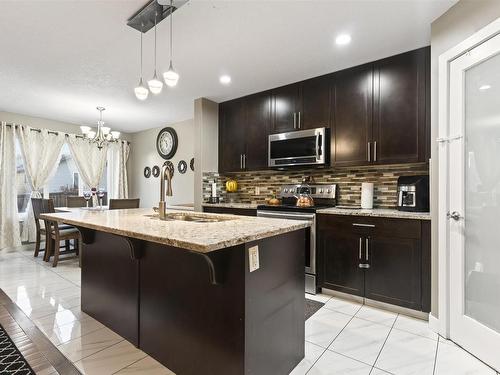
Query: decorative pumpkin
{"type": "Point", "coordinates": [231, 186]}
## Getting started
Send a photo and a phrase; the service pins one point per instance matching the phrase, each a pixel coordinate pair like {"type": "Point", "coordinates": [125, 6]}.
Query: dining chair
{"type": "Point", "coordinates": [116, 204]}
{"type": "Point", "coordinates": [77, 201]}
{"type": "Point", "coordinates": [41, 207]}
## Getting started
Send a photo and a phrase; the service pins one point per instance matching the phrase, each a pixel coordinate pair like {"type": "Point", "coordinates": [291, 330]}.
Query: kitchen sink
{"type": "Point", "coordinates": [190, 217]}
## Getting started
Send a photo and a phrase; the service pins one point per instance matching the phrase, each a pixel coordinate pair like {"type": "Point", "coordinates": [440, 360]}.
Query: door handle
{"type": "Point", "coordinates": [299, 120]}
{"type": "Point", "coordinates": [294, 120]}
{"type": "Point", "coordinates": [360, 247]}
{"type": "Point", "coordinates": [454, 215]}
{"type": "Point", "coordinates": [375, 151]}
{"type": "Point", "coordinates": [244, 161]}
{"type": "Point", "coordinates": [241, 161]}
{"type": "Point", "coordinates": [367, 242]}
{"type": "Point", "coordinates": [369, 152]}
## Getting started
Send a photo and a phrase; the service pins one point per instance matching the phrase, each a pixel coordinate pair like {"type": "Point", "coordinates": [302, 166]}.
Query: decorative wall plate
{"type": "Point", "coordinates": [191, 164]}
{"type": "Point", "coordinates": [182, 167]}
{"type": "Point", "coordinates": [166, 143]}
{"type": "Point", "coordinates": [156, 171]}
{"type": "Point", "coordinates": [147, 172]}
{"type": "Point", "coordinates": [171, 167]}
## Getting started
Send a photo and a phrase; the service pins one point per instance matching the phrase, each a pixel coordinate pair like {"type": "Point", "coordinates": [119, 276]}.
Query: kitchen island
{"type": "Point", "coordinates": [201, 293]}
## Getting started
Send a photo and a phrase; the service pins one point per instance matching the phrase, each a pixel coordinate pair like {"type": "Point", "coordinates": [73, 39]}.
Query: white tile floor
{"type": "Point", "coordinates": [341, 338]}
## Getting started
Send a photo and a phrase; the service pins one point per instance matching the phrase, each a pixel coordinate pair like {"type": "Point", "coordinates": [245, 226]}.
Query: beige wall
{"type": "Point", "coordinates": [143, 153]}
{"type": "Point", "coordinates": [459, 22]}
{"type": "Point", "coordinates": [206, 138]}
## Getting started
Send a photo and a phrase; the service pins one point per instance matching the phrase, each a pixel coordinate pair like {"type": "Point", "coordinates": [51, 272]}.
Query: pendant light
{"type": "Point", "coordinates": [155, 85]}
{"type": "Point", "coordinates": [141, 92]}
{"type": "Point", "coordinates": [170, 76]}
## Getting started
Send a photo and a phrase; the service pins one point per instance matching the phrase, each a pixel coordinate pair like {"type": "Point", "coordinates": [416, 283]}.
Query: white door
{"type": "Point", "coordinates": [474, 201]}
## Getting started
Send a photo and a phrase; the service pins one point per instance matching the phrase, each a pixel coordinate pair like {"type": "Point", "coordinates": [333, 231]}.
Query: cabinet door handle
{"type": "Point", "coordinates": [299, 120]}
{"type": "Point", "coordinates": [244, 161]}
{"type": "Point", "coordinates": [241, 161]}
{"type": "Point", "coordinates": [360, 247]}
{"type": "Point", "coordinates": [375, 151]}
{"type": "Point", "coordinates": [294, 120]}
{"type": "Point", "coordinates": [367, 242]}
{"type": "Point", "coordinates": [363, 225]}
{"type": "Point", "coordinates": [369, 151]}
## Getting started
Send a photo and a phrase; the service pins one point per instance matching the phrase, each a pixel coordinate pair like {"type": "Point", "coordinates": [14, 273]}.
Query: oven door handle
{"type": "Point", "coordinates": [285, 215]}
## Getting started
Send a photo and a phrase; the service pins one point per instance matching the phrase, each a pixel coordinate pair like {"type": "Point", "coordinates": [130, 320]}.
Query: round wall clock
{"type": "Point", "coordinates": [156, 171]}
{"type": "Point", "coordinates": [147, 172]}
{"type": "Point", "coordinates": [166, 143]}
{"type": "Point", "coordinates": [182, 167]}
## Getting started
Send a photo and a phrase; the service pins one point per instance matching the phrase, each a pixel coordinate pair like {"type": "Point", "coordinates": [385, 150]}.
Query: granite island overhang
{"type": "Point", "coordinates": [225, 290]}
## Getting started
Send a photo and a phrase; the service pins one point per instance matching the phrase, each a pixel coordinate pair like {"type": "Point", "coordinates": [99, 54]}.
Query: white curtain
{"type": "Point", "coordinates": [41, 151]}
{"type": "Point", "coordinates": [117, 169]}
{"type": "Point", "coordinates": [9, 220]}
{"type": "Point", "coordinates": [90, 161]}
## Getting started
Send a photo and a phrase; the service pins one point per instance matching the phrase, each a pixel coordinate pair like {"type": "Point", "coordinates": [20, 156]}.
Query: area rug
{"type": "Point", "coordinates": [312, 307]}
{"type": "Point", "coordinates": [11, 360]}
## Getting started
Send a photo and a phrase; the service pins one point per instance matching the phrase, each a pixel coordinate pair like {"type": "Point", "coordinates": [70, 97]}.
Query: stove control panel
{"type": "Point", "coordinates": [316, 191]}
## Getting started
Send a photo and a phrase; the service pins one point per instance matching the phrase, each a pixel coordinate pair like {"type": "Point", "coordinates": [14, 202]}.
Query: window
{"type": "Point", "coordinates": [65, 180]}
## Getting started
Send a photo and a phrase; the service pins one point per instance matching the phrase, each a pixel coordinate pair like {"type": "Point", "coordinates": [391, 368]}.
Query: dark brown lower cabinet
{"type": "Point", "coordinates": [230, 211]}
{"type": "Point", "coordinates": [382, 259]}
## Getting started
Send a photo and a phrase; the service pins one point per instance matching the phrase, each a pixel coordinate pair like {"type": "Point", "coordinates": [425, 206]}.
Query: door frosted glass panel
{"type": "Point", "coordinates": [482, 193]}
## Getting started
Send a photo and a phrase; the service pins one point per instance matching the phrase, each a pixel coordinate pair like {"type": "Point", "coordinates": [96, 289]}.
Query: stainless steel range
{"type": "Point", "coordinates": [323, 196]}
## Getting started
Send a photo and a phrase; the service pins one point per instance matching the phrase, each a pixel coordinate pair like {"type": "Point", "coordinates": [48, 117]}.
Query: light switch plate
{"type": "Point", "coordinates": [253, 258]}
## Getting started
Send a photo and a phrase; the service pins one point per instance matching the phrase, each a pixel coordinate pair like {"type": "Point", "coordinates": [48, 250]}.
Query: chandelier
{"type": "Point", "coordinates": [103, 135]}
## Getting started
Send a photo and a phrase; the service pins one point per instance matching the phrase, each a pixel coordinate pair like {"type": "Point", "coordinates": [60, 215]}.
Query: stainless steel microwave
{"type": "Point", "coordinates": [303, 147]}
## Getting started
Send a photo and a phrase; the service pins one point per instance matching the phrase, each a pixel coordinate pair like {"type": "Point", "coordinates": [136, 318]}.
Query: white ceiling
{"type": "Point", "coordinates": [60, 59]}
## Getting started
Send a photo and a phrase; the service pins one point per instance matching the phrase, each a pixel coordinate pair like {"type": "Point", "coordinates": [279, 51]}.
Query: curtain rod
{"type": "Point", "coordinates": [50, 131]}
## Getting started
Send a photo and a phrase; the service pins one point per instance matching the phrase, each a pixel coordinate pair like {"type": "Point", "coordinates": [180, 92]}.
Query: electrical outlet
{"type": "Point", "coordinates": [257, 190]}
{"type": "Point", "coordinates": [253, 258]}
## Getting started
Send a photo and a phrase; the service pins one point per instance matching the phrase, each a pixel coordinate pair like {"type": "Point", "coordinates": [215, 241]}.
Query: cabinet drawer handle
{"type": "Point", "coordinates": [363, 225]}
{"type": "Point", "coordinates": [364, 265]}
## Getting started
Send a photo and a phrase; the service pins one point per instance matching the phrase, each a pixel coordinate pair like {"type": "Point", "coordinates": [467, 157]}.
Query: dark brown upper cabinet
{"type": "Point", "coordinates": [244, 126]}
{"type": "Point", "coordinates": [285, 107]}
{"type": "Point", "coordinates": [231, 135]}
{"type": "Point", "coordinates": [378, 114]}
{"type": "Point", "coordinates": [400, 114]}
{"type": "Point", "coordinates": [352, 96]}
{"type": "Point", "coordinates": [315, 98]}
{"type": "Point", "coordinates": [303, 105]}
{"type": "Point", "coordinates": [258, 124]}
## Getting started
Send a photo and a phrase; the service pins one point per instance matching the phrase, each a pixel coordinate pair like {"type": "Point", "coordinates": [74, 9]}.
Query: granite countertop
{"type": "Point", "coordinates": [251, 206]}
{"type": "Point", "coordinates": [376, 212]}
{"type": "Point", "coordinates": [199, 237]}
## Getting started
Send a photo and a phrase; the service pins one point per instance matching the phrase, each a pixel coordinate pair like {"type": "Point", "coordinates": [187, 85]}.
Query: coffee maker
{"type": "Point", "coordinates": [413, 193]}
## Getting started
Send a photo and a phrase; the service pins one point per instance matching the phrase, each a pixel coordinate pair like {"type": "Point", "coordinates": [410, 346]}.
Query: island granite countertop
{"type": "Point", "coordinates": [195, 236]}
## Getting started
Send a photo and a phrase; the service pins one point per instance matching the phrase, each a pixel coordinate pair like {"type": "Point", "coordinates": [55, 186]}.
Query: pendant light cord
{"type": "Point", "coordinates": [141, 49]}
{"type": "Point", "coordinates": [156, 14]}
{"type": "Point", "coordinates": [171, 20]}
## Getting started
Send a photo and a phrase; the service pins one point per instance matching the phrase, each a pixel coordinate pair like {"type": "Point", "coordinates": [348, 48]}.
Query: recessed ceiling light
{"type": "Point", "coordinates": [225, 79]}
{"type": "Point", "coordinates": [485, 87]}
{"type": "Point", "coordinates": [343, 39]}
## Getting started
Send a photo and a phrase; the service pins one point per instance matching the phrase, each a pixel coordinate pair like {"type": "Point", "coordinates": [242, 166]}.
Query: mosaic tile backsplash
{"type": "Point", "coordinates": [349, 181]}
